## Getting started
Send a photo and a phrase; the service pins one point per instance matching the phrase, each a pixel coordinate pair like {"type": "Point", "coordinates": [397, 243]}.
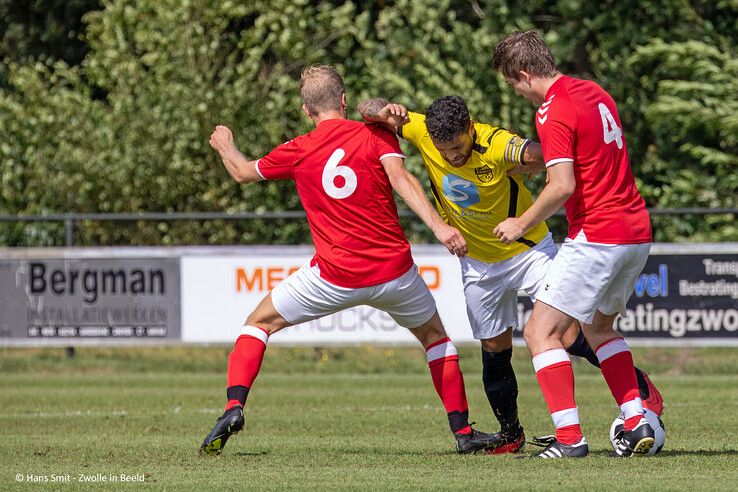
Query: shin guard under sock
{"type": "Point", "coordinates": [556, 379]}
{"type": "Point", "coordinates": [501, 387]}
{"type": "Point", "coordinates": [244, 363]}
{"type": "Point", "coordinates": [443, 362]}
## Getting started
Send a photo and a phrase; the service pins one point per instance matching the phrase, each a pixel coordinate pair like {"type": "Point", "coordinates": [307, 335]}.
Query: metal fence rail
{"type": "Point", "coordinates": [70, 219]}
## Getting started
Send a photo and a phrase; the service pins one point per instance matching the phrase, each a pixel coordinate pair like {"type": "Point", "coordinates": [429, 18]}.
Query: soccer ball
{"type": "Point", "coordinates": [654, 420]}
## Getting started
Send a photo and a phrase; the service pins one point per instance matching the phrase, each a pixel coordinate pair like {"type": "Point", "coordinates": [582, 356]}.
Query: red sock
{"type": "Point", "coordinates": [616, 362]}
{"type": "Point", "coordinates": [244, 363]}
{"type": "Point", "coordinates": [556, 379]}
{"type": "Point", "coordinates": [443, 361]}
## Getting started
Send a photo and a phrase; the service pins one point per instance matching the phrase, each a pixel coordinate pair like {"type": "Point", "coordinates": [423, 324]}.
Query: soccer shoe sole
{"type": "Point", "coordinates": [216, 445]}
{"type": "Point", "coordinates": [643, 446]}
{"type": "Point", "coordinates": [214, 448]}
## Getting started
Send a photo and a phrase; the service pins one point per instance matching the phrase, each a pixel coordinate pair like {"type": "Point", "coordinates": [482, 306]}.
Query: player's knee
{"type": "Point", "coordinates": [603, 323]}
{"type": "Point", "coordinates": [498, 343]}
{"type": "Point", "coordinates": [260, 321]}
{"type": "Point", "coordinates": [537, 334]}
{"type": "Point", "coordinates": [601, 329]}
{"type": "Point", "coordinates": [542, 329]}
{"type": "Point", "coordinates": [431, 331]}
{"type": "Point", "coordinates": [490, 345]}
{"type": "Point", "coordinates": [497, 367]}
{"type": "Point", "coordinates": [253, 318]}
{"type": "Point", "coordinates": [528, 336]}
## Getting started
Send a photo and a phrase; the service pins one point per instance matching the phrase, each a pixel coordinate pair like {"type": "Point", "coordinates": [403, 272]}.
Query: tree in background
{"type": "Point", "coordinates": [671, 130]}
{"type": "Point", "coordinates": [44, 30]}
{"type": "Point", "coordinates": [693, 158]}
{"type": "Point", "coordinates": [124, 127]}
{"type": "Point", "coordinates": [169, 72]}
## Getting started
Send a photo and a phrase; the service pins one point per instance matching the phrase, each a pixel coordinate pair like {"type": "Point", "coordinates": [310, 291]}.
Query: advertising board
{"type": "Point", "coordinates": [89, 300]}
{"type": "Point", "coordinates": [686, 295]}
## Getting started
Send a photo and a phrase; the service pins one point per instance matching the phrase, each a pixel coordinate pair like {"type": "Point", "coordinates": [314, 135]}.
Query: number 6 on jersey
{"type": "Point", "coordinates": [612, 131]}
{"type": "Point", "coordinates": [332, 170]}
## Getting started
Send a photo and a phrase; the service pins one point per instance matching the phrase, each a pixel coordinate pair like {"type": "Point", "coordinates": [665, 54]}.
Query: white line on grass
{"type": "Point", "coordinates": [68, 413]}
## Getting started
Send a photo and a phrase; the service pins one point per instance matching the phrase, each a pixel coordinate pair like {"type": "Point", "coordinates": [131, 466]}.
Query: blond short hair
{"type": "Point", "coordinates": [321, 88]}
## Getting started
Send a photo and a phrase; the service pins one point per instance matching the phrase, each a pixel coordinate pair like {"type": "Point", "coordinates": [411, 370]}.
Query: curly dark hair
{"type": "Point", "coordinates": [447, 118]}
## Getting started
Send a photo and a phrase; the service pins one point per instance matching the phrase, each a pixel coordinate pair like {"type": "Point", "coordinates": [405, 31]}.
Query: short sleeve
{"type": "Point", "coordinates": [385, 144]}
{"type": "Point", "coordinates": [414, 130]}
{"type": "Point", "coordinates": [280, 162]}
{"type": "Point", "coordinates": [506, 148]}
{"type": "Point", "coordinates": [557, 137]}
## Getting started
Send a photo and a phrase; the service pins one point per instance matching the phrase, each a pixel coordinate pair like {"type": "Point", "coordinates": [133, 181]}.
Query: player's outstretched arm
{"type": "Point", "coordinates": [558, 189]}
{"type": "Point", "coordinates": [409, 189]}
{"type": "Point", "coordinates": [238, 166]}
{"type": "Point", "coordinates": [533, 161]}
{"type": "Point", "coordinates": [390, 115]}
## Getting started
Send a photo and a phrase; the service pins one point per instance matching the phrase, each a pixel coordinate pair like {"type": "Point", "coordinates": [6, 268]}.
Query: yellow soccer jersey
{"type": "Point", "coordinates": [477, 196]}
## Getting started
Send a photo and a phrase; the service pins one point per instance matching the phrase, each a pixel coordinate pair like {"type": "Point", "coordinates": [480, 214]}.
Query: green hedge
{"type": "Point", "coordinates": [126, 128]}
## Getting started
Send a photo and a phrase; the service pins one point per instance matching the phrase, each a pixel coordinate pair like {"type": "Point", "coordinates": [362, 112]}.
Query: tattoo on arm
{"type": "Point", "coordinates": [370, 108]}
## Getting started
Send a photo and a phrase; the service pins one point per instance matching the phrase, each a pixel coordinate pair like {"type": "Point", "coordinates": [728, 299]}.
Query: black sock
{"type": "Point", "coordinates": [581, 348]}
{"type": "Point", "coordinates": [238, 393]}
{"type": "Point", "coordinates": [458, 420]}
{"type": "Point", "coordinates": [501, 387]}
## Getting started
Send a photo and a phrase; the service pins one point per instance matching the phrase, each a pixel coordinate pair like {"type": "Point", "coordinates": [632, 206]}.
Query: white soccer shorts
{"type": "Point", "coordinates": [491, 289]}
{"type": "Point", "coordinates": [588, 277]}
{"type": "Point", "coordinates": [305, 296]}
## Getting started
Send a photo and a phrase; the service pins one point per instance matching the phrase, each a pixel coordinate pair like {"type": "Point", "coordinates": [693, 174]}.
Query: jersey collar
{"type": "Point", "coordinates": [476, 146]}
{"type": "Point", "coordinates": [559, 82]}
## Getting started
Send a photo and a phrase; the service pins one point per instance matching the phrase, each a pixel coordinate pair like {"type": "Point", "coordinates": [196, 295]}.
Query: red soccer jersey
{"type": "Point", "coordinates": [348, 200]}
{"type": "Point", "coordinates": [579, 121]}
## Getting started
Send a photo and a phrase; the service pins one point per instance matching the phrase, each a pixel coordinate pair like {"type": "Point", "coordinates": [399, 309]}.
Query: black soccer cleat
{"type": "Point", "coordinates": [508, 441]}
{"type": "Point", "coordinates": [231, 422]}
{"type": "Point", "coordinates": [475, 441]}
{"type": "Point", "coordinates": [554, 449]}
{"type": "Point", "coordinates": [637, 441]}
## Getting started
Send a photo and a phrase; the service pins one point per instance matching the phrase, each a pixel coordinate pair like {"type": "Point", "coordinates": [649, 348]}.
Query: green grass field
{"type": "Point", "coordinates": [340, 419]}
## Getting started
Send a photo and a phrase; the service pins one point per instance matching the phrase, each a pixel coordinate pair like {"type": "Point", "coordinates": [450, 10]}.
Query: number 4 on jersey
{"type": "Point", "coordinates": [332, 170]}
{"type": "Point", "coordinates": [612, 132]}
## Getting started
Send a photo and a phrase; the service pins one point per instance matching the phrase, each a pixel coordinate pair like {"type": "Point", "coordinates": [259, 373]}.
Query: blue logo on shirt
{"type": "Point", "coordinates": [460, 191]}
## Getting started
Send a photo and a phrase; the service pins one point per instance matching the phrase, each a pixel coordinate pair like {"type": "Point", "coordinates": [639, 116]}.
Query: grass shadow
{"type": "Point", "coordinates": [672, 453]}
{"type": "Point", "coordinates": [699, 452]}
{"type": "Point", "coordinates": [250, 453]}
{"type": "Point", "coordinates": [399, 452]}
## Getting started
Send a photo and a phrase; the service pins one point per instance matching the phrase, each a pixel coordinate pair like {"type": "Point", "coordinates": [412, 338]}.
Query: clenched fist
{"type": "Point", "coordinates": [221, 139]}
